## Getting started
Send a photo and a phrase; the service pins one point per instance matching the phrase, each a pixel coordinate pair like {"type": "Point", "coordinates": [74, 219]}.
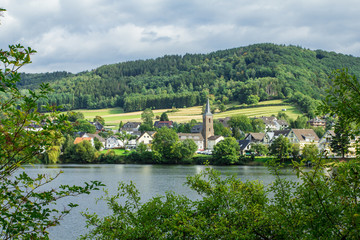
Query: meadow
{"type": "Point", "coordinates": [113, 116]}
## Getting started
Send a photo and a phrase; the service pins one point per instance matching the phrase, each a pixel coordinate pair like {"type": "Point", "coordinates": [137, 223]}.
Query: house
{"type": "Point", "coordinates": [131, 127]}
{"type": "Point", "coordinates": [80, 139]}
{"type": "Point", "coordinates": [145, 138]}
{"type": "Point", "coordinates": [213, 140]}
{"type": "Point", "coordinates": [160, 124]}
{"type": "Point", "coordinates": [303, 137]}
{"type": "Point", "coordinates": [93, 136]}
{"type": "Point", "coordinates": [33, 127]}
{"type": "Point", "coordinates": [272, 123]}
{"type": "Point", "coordinates": [130, 144]}
{"type": "Point", "coordinates": [255, 137]}
{"type": "Point", "coordinates": [224, 121]}
{"type": "Point", "coordinates": [317, 122]}
{"type": "Point", "coordinates": [197, 137]}
{"type": "Point", "coordinates": [113, 142]}
{"type": "Point", "coordinates": [98, 126]}
{"type": "Point", "coordinates": [325, 140]}
{"type": "Point", "coordinates": [272, 135]}
{"type": "Point", "coordinates": [197, 128]}
{"type": "Point", "coordinates": [245, 146]}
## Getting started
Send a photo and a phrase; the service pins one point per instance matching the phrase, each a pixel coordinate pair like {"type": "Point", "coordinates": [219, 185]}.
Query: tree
{"type": "Point", "coordinates": [97, 144]}
{"type": "Point", "coordinates": [220, 130]}
{"type": "Point", "coordinates": [165, 141]}
{"type": "Point", "coordinates": [147, 116]}
{"type": "Point", "coordinates": [258, 125]}
{"type": "Point", "coordinates": [260, 149]}
{"type": "Point", "coordinates": [295, 151]}
{"type": "Point", "coordinates": [343, 98]}
{"type": "Point", "coordinates": [312, 206]}
{"type": "Point", "coordinates": [164, 117]}
{"type": "Point", "coordinates": [240, 122]}
{"type": "Point", "coordinates": [280, 147]}
{"type": "Point", "coordinates": [25, 204]}
{"type": "Point", "coordinates": [74, 116]}
{"type": "Point", "coordinates": [100, 119]}
{"type": "Point", "coordinates": [310, 151]}
{"type": "Point", "coordinates": [121, 124]}
{"type": "Point", "coordinates": [340, 143]}
{"type": "Point", "coordinates": [82, 125]}
{"type": "Point", "coordinates": [299, 123]}
{"type": "Point", "coordinates": [222, 107]}
{"type": "Point", "coordinates": [144, 127]}
{"type": "Point", "coordinates": [226, 152]}
{"type": "Point", "coordinates": [252, 99]}
{"type": "Point", "coordinates": [185, 150]}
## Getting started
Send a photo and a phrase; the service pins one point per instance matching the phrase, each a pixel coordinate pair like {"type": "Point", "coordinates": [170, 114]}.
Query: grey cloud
{"type": "Point", "coordinates": [84, 34]}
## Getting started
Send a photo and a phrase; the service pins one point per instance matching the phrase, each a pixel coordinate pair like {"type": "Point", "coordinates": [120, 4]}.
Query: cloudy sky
{"type": "Point", "coordinates": [79, 35]}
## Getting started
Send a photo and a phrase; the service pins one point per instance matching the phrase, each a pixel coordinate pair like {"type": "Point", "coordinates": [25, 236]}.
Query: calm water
{"type": "Point", "coordinates": [151, 180]}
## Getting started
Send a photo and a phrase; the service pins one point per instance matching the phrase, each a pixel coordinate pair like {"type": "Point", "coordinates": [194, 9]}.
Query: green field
{"type": "Point", "coordinates": [113, 116]}
{"type": "Point", "coordinates": [117, 151]}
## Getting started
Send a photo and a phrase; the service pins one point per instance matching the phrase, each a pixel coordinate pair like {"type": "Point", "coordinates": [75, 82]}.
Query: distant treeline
{"type": "Point", "coordinates": [268, 71]}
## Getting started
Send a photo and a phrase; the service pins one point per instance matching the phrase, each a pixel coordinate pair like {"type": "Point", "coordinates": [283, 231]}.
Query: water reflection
{"type": "Point", "coordinates": [151, 180]}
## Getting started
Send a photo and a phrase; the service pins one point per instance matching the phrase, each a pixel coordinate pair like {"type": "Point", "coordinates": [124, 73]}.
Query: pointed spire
{"type": "Point", "coordinates": [207, 108]}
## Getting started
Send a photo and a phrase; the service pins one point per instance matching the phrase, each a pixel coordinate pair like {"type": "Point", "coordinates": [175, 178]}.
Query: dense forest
{"type": "Point", "coordinates": [267, 70]}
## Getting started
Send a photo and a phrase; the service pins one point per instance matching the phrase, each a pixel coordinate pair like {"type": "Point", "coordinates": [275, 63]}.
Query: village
{"type": "Point", "coordinates": [129, 136]}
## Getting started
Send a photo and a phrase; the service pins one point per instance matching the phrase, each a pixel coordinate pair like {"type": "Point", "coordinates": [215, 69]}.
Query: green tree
{"type": "Point", "coordinates": [121, 124]}
{"type": "Point", "coordinates": [83, 152]}
{"type": "Point", "coordinates": [183, 151]}
{"type": "Point", "coordinates": [144, 127]}
{"type": "Point", "coordinates": [295, 151]}
{"type": "Point", "coordinates": [27, 204]}
{"type": "Point", "coordinates": [147, 116]}
{"type": "Point", "coordinates": [226, 152]}
{"type": "Point", "coordinates": [299, 123]}
{"type": "Point", "coordinates": [340, 143]}
{"type": "Point", "coordinates": [312, 206]}
{"type": "Point", "coordinates": [222, 107]}
{"type": "Point", "coordinates": [74, 116]}
{"type": "Point", "coordinates": [258, 125]}
{"type": "Point", "coordinates": [165, 141]}
{"type": "Point", "coordinates": [97, 144]}
{"type": "Point", "coordinates": [280, 147]}
{"type": "Point", "coordinates": [260, 149]}
{"type": "Point", "coordinates": [240, 122]}
{"type": "Point", "coordinates": [252, 99]}
{"type": "Point", "coordinates": [164, 117]}
{"type": "Point", "coordinates": [100, 119]}
{"type": "Point", "coordinates": [310, 151]}
{"type": "Point", "coordinates": [343, 98]}
{"type": "Point", "coordinates": [82, 125]}
{"type": "Point", "coordinates": [220, 130]}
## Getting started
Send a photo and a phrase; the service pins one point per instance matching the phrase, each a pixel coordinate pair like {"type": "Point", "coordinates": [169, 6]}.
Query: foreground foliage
{"type": "Point", "coordinates": [26, 202]}
{"type": "Point", "coordinates": [320, 204]}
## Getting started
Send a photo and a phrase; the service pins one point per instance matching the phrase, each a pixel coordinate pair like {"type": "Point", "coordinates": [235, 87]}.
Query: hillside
{"type": "Point", "coordinates": [268, 71]}
{"type": "Point", "coordinates": [113, 116]}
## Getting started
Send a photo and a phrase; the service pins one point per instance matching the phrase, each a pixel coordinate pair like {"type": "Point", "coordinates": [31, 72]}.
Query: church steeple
{"type": "Point", "coordinates": [208, 126]}
{"type": "Point", "coordinates": [207, 108]}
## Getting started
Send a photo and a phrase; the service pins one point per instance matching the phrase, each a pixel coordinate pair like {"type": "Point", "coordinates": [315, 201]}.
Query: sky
{"type": "Point", "coordinates": [81, 35]}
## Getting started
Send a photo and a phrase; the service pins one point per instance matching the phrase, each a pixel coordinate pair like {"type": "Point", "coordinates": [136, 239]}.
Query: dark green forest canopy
{"type": "Point", "coordinates": [267, 70]}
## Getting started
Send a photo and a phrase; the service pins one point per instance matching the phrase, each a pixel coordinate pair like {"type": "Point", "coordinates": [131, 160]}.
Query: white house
{"type": "Point", "coordinates": [213, 140]}
{"type": "Point", "coordinates": [113, 142]}
{"type": "Point", "coordinates": [197, 137]}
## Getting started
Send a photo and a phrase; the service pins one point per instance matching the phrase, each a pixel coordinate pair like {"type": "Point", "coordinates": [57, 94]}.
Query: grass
{"type": "Point", "coordinates": [113, 116]}
{"type": "Point", "coordinates": [117, 151]}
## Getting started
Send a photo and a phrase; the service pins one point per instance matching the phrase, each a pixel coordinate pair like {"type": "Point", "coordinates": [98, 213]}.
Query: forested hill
{"type": "Point", "coordinates": [265, 70]}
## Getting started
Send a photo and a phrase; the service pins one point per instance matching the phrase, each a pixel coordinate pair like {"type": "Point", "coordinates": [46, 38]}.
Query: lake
{"type": "Point", "coordinates": [151, 180]}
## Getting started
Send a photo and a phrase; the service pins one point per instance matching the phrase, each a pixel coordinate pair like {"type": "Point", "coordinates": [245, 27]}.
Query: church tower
{"type": "Point", "coordinates": [208, 126]}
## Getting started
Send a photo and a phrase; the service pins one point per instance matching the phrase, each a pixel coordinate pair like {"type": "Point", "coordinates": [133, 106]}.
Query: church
{"type": "Point", "coordinates": [206, 140]}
